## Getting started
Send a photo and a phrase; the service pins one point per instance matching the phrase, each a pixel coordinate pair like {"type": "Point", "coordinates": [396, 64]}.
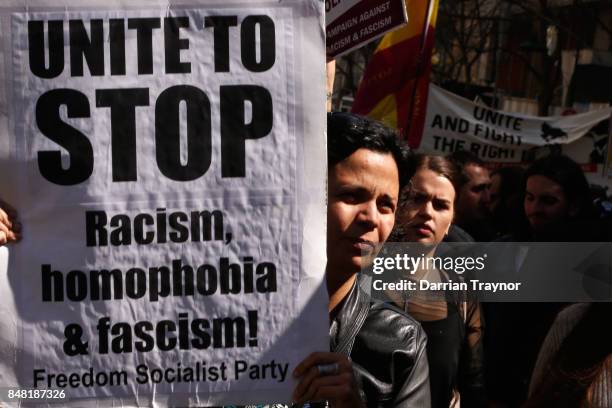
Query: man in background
{"type": "Point", "coordinates": [472, 204]}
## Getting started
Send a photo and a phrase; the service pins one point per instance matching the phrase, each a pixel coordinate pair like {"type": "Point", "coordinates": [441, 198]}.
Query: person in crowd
{"type": "Point", "coordinates": [506, 200]}
{"type": "Point", "coordinates": [452, 323]}
{"type": "Point", "coordinates": [472, 203]}
{"type": "Point", "coordinates": [367, 168]}
{"type": "Point", "coordinates": [557, 208]}
{"type": "Point", "coordinates": [558, 202]}
{"type": "Point", "coordinates": [574, 367]}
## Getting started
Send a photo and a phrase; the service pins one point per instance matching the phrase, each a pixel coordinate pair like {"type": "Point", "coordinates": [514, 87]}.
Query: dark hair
{"type": "Point", "coordinates": [438, 164]}
{"type": "Point", "coordinates": [347, 132]}
{"type": "Point", "coordinates": [512, 182]}
{"type": "Point", "coordinates": [462, 158]}
{"type": "Point", "coordinates": [508, 217]}
{"type": "Point", "coordinates": [568, 174]}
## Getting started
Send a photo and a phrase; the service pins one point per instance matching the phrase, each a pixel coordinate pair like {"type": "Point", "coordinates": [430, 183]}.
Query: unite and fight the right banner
{"type": "Point", "coordinates": [455, 123]}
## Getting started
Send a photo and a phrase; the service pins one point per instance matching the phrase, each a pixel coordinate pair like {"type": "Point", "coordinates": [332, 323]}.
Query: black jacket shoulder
{"type": "Point", "coordinates": [387, 348]}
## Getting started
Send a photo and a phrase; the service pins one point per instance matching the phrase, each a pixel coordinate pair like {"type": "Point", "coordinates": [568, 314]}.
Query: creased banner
{"type": "Point", "coordinates": [161, 163]}
{"type": "Point", "coordinates": [455, 123]}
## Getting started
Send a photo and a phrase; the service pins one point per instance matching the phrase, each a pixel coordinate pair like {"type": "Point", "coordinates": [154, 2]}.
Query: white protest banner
{"type": "Point", "coordinates": [455, 123]}
{"type": "Point", "coordinates": [165, 163]}
{"type": "Point", "coordinates": [352, 23]}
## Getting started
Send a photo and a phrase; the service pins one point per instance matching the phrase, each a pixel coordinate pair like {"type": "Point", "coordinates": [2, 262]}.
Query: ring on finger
{"type": "Point", "coordinates": [328, 369]}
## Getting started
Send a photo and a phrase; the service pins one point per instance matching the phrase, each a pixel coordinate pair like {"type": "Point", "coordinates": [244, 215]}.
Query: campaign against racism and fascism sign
{"type": "Point", "coordinates": [352, 23]}
{"type": "Point", "coordinates": [161, 162]}
{"type": "Point", "coordinates": [455, 123]}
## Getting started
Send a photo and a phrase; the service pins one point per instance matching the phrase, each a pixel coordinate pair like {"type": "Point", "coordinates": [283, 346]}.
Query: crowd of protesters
{"type": "Point", "coordinates": [447, 353]}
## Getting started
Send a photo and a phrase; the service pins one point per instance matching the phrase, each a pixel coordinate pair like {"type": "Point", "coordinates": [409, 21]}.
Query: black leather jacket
{"type": "Point", "coordinates": [387, 348]}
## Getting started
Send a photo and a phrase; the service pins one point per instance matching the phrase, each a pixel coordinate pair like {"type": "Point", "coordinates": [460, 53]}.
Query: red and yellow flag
{"type": "Point", "coordinates": [396, 81]}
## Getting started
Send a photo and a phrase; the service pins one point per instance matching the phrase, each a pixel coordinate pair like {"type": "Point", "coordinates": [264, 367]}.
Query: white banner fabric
{"type": "Point", "coordinates": [165, 163]}
{"type": "Point", "coordinates": [455, 123]}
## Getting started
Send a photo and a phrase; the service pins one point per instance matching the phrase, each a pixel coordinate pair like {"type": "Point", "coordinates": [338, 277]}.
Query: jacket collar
{"type": "Point", "coordinates": [349, 319]}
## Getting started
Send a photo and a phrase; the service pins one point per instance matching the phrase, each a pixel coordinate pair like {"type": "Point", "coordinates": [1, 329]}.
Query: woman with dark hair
{"type": "Point", "coordinates": [574, 367]}
{"type": "Point", "coordinates": [453, 324]}
{"type": "Point", "coordinates": [378, 354]}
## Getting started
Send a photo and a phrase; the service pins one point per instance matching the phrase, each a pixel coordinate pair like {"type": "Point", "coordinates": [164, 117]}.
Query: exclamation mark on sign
{"type": "Point", "coordinates": [253, 328]}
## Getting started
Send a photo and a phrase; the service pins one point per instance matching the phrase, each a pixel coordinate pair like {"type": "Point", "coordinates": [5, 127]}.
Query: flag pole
{"type": "Point", "coordinates": [420, 64]}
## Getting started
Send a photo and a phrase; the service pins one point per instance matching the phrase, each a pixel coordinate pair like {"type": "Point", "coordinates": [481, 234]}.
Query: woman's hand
{"type": "Point", "coordinates": [9, 227]}
{"type": "Point", "coordinates": [327, 376]}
